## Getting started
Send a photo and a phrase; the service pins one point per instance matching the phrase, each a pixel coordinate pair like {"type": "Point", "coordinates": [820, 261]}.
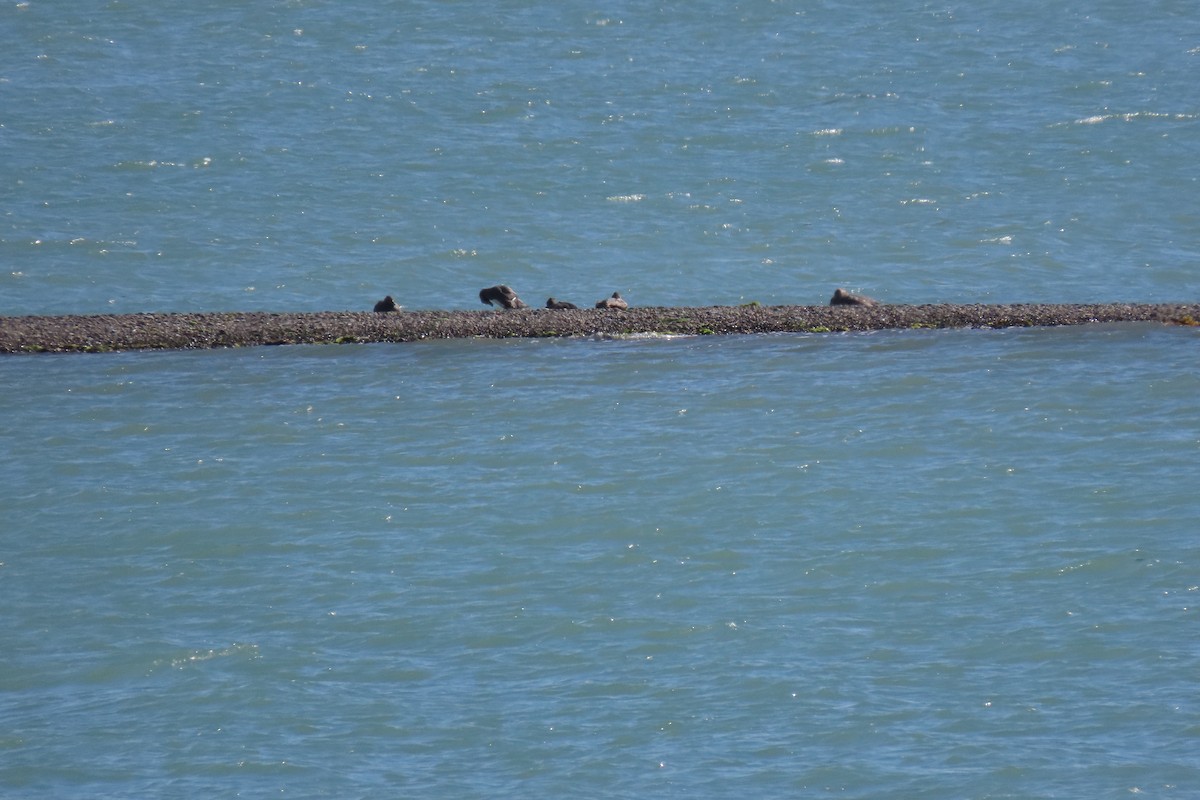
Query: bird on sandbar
{"type": "Point", "coordinates": [843, 298]}
{"type": "Point", "coordinates": [559, 304]}
{"type": "Point", "coordinates": [502, 295]}
{"type": "Point", "coordinates": [386, 304]}
{"type": "Point", "coordinates": [616, 301]}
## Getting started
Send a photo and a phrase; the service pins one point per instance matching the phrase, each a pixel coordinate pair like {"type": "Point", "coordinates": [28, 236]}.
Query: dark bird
{"type": "Point", "coordinates": [616, 301]}
{"type": "Point", "coordinates": [843, 298]}
{"type": "Point", "coordinates": [559, 304]}
{"type": "Point", "coordinates": [385, 305]}
{"type": "Point", "coordinates": [504, 295]}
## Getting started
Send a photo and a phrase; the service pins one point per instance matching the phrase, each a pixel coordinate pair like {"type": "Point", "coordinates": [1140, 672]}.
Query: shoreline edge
{"type": "Point", "coordinates": [192, 331]}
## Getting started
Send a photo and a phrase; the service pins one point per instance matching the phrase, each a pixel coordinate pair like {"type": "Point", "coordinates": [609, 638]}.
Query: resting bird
{"type": "Point", "coordinates": [616, 301]}
{"type": "Point", "coordinates": [843, 298]}
{"type": "Point", "coordinates": [385, 305]}
{"type": "Point", "coordinates": [559, 304]}
{"type": "Point", "coordinates": [504, 295]}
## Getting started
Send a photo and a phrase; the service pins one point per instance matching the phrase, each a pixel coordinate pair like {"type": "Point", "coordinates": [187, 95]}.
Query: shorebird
{"type": "Point", "coordinates": [386, 304]}
{"type": "Point", "coordinates": [504, 295]}
{"type": "Point", "coordinates": [616, 301]}
{"type": "Point", "coordinates": [843, 298]}
{"type": "Point", "coordinates": [559, 304]}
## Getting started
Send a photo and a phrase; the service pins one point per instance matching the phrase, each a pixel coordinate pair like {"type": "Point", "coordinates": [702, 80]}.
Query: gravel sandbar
{"type": "Point", "coordinates": [106, 333]}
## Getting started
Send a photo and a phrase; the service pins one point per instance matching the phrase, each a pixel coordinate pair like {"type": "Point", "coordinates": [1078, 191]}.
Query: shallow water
{"type": "Point", "coordinates": [959, 563]}
{"type": "Point", "coordinates": [946, 563]}
{"type": "Point", "coordinates": [315, 156]}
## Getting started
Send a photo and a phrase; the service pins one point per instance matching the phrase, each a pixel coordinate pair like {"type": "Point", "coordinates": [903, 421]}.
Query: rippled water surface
{"type": "Point", "coordinates": [956, 563]}
{"type": "Point", "coordinates": [950, 564]}
{"type": "Point", "coordinates": [313, 156]}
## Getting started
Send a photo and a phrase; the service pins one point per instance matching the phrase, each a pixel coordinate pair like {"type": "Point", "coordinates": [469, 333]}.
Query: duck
{"type": "Point", "coordinates": [843, 298]}
{"type": "Point", "coordinates": [501, 294]}
{"type": "Point", "coordinates": [616, 301]}
{"type": "Point", "coordinates": [385, 305]}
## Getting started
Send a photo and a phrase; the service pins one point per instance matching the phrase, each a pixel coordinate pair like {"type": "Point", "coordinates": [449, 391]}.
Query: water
{"type": "Point", "coordinates": [937, 563]}
{"type": "Point", "coordinates": [317, 156]}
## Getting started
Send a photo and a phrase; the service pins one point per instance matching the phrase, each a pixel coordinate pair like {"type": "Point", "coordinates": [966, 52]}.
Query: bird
{"type": "Point", "coordinates": [616, 301]}
{"type": "Point", "coordinates": [386, 304]}
{"type": "Point", "coordinates": [559, 304]}
{"type": "Point", "coordinates": [843, 298]}
{"type": "Point", "coordinates": [502, 294]}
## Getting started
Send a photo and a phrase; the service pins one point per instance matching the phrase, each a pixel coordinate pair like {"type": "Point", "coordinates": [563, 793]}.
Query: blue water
{"type": "Point", "coordinates": [946, 564]}
{"type": "Point", "coordinates": [316, 156]}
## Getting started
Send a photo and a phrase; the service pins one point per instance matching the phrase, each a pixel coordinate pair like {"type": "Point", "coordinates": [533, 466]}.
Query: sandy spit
{"type": "Point", "coordinates": [108, 333]}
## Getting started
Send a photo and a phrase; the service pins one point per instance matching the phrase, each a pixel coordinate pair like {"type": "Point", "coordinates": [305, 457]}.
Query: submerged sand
{"type": "Point", "coordinates": [106, 333]}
